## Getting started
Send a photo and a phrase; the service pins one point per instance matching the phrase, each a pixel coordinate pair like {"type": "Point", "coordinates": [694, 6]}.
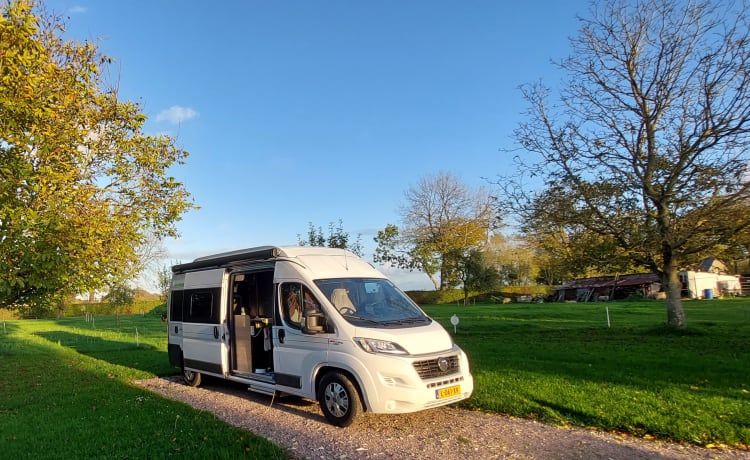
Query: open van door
{"type": "Point", "coordinates": [205, 335]}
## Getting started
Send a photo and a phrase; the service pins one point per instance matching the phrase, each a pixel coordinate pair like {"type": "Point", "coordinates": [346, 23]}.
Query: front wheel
{"type": "Point", "coordinates": [339, 399]}
{"type": "Point", "coordinates": [191, 378]}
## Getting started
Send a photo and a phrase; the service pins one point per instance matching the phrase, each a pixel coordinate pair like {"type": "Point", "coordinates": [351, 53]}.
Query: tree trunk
{"type": "Point", "coordinates": [675, 313]}
{"type": "Point", "coordinates": [435, 282]}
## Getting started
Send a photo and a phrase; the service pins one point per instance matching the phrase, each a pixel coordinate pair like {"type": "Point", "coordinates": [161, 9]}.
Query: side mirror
{"type": "Point", "coordinates": [314, 323]}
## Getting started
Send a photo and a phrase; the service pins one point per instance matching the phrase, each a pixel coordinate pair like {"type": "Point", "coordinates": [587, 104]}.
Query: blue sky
{"type": "Point", "coordinates": [315, 111]}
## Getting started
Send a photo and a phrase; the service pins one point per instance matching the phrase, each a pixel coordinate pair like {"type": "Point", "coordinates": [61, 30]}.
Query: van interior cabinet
{"type": "Point", "coordinates": [243, 343]}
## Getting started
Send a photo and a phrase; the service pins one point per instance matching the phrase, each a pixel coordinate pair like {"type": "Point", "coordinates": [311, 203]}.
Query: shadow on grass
{"type": "Point", "coordinates": [665, 331]}
{"type": "Point", "coordinates": [56, 403]}
{"type": "Point", "coordinates": [7, 329]}
{"type": "Point", "coordinates": [132, 354]}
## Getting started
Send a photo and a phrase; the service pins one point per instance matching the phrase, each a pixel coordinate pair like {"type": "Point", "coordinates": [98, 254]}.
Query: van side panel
{"type": "Point", "coordinates": [174, 320]}
{"type": "Point", "coordinates": [174, 327]}
{"type": "Point", "coordinates": [203, 331]}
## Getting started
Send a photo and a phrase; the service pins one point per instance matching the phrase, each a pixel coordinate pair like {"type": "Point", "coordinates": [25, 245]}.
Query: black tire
{"type": "Point", "coordinates": [191, 378]}
{"type": "Point", "coordinates": [339, 399]}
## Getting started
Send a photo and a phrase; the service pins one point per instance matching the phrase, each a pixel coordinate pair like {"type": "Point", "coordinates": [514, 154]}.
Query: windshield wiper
{"type": "Point", "coordinates": [360, 318]}
{"type": "Point", "coordinates": [410, 320]}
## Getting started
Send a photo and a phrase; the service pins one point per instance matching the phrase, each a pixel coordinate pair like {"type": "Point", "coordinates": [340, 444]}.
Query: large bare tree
{"type": "Point", "coordinates": [648, 136]}
{"type": "Point", "coordinates": [442, 220]}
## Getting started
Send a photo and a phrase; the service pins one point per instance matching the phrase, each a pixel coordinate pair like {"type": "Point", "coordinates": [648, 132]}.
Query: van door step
{"type": "Point", "coordinates": [264, 389]}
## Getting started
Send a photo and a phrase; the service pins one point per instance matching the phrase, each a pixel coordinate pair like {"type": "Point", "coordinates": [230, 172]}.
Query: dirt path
{"type": "Point", "coordinates": [446, 433]}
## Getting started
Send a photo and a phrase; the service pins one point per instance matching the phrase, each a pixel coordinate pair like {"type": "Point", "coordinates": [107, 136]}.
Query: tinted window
{"type": "Point", "coordinates": [175, 305]}
{"type": "Point", "coordinates": [201, 305]}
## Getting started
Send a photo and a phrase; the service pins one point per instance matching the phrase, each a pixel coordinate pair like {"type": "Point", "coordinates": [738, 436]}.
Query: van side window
{"type": "Point", "coordinates": [291, 303]}
{"type": "Point", "coordinates": [295, 300]}
{"type": "Point", "coordinates": [201, 306]}
{"type": "Point", "coordinates": [175, 305]}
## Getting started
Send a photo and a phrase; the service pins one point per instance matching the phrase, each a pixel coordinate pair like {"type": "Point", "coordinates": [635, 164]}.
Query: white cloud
{"type": "Point", "coordinates": [77, 9]}
{"type": "Point", "coordinates": [176, 114]}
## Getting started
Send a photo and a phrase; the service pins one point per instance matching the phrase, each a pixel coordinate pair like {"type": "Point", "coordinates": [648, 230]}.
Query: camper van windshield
{"type": "Point", "coordinates": [372, 302]}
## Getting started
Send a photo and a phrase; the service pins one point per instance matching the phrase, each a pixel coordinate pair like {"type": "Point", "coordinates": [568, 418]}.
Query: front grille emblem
{"type": "Point", "coordinates": [443, 364]}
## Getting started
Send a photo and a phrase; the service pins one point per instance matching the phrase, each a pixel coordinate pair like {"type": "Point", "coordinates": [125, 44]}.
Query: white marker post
{"type": "Point", "coordinates": [608, 324]}
{"type": "Point", "coordinates": [454, 322]}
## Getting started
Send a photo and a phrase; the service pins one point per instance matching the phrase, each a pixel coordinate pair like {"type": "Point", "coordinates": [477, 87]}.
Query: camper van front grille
{"type": "Point", "coordinates": [438, 367]}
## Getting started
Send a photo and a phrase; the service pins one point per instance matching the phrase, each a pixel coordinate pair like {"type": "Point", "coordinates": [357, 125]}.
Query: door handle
{"type": "Point", "coordinates": [216, 332]}
{"type": "Point", "coordinates": [282, 335]}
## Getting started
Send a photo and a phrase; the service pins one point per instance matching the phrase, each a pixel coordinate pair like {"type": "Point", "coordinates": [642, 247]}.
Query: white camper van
{"type": "Point", "coordinates": [319, 323]}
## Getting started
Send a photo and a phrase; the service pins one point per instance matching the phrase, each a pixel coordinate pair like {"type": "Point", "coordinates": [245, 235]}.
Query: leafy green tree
{"type": "Point", "coordinates": [476, 273]}
{"type": "Point", "coordinates": [395, 250]}
{"type": "Point", "coordinates": [566, 243]}
{"type": "Point", "coordinates": [513, 259]}
{"type": "Point", "coordinates": [81, 186]}
{"type": "Point", "coordinates": [120, 295]}
{"type": "Point", "coordinates": [442, 220]}
{"type": "Point", "coordinates": [163, 280]}
{"type": "Point", "coordinates": [649, 135]}
{"type": "Point", "coordinates": [314, 237]}
{"type": "Point", "coordinates": [337, 238]}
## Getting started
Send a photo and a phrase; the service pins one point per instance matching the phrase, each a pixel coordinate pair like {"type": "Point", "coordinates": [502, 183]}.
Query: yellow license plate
{"type": "Point", "coordinates": [448, 392]}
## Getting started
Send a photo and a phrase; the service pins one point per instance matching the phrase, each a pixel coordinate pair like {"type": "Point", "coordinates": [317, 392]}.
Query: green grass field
{"type": "Point", "coordinates": [562, 364]}
{"type": "Point", "coordinates": [65, 392]}
{"type": "Point", "coordinates": [65, 386]}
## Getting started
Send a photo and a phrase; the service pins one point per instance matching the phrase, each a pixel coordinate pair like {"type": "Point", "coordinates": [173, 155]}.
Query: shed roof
{"type": "Point", "coordinates": [637, 279]}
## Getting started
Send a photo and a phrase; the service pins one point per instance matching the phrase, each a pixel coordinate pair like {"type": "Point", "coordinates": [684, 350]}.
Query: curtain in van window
{"type": "Point", "coordinates": [296, 299]}
{"type": "Point", "coordinates": [291, 302]}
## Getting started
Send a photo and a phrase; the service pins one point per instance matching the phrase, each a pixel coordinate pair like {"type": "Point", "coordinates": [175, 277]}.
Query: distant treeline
{"type": "Point", "coordinates": [157, 307]}
{"type": "Point", "coordinates": [457, 295]}
{"type": "Point", "coordinates": [139, 307]}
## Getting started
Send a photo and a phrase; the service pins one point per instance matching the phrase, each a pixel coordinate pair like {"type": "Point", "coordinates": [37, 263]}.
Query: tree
{"type": "Point", "coordinates": [565, 244]}
{"type": "Point", "coordinates": [649, 135]}
{"type": "Point", "coordinates": [475, 273]}
{"type": "Point", "coordinates": [120, 295]}
{"type": "Point", "coordinates": [443, 220]}
{"type": "Point", "coordinates": [395, 250]}
{"type": "Point", "coordinates": [81, 186]}
{"type": "Point", "coordinates": [163, 281]}
{"type": "Point", "coordinates": [513, 260]}
{"type": "Point", "coordinates": [337, 238]}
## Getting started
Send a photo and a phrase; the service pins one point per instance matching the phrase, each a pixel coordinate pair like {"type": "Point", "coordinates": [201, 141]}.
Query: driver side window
{"type": "Point", "coordinates": [296, 300]}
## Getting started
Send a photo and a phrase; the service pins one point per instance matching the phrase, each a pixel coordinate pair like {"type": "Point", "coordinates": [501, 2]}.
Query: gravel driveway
{"type": "Point", "coordinates": [446, 433]}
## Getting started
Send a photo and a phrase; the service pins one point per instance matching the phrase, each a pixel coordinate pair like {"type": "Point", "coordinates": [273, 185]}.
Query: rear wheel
{"type": "Point", "coordinates": [191, 378]}
{"type": "Point", "coordinates": [339, 399]}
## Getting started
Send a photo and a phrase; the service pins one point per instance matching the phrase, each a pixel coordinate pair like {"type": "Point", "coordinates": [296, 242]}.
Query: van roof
{"type": "Point", "coordinates": [259, 253]}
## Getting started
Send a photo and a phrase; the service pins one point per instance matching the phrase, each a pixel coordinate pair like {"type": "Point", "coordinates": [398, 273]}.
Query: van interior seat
{"type": "Point", "coordinates": [340, 299]}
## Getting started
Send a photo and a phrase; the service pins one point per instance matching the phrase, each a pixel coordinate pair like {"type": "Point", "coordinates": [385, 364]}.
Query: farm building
{"type": "Point", "coordinates": [695, 285]}
{"type": "Point", "coordinates": [701, 285]}
{"type": "Point", "coordinates": [609, 287]}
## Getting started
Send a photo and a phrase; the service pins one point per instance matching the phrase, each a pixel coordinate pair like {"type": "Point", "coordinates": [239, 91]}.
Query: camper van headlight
{"type": "Point", "coordinates": [380, 346]}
